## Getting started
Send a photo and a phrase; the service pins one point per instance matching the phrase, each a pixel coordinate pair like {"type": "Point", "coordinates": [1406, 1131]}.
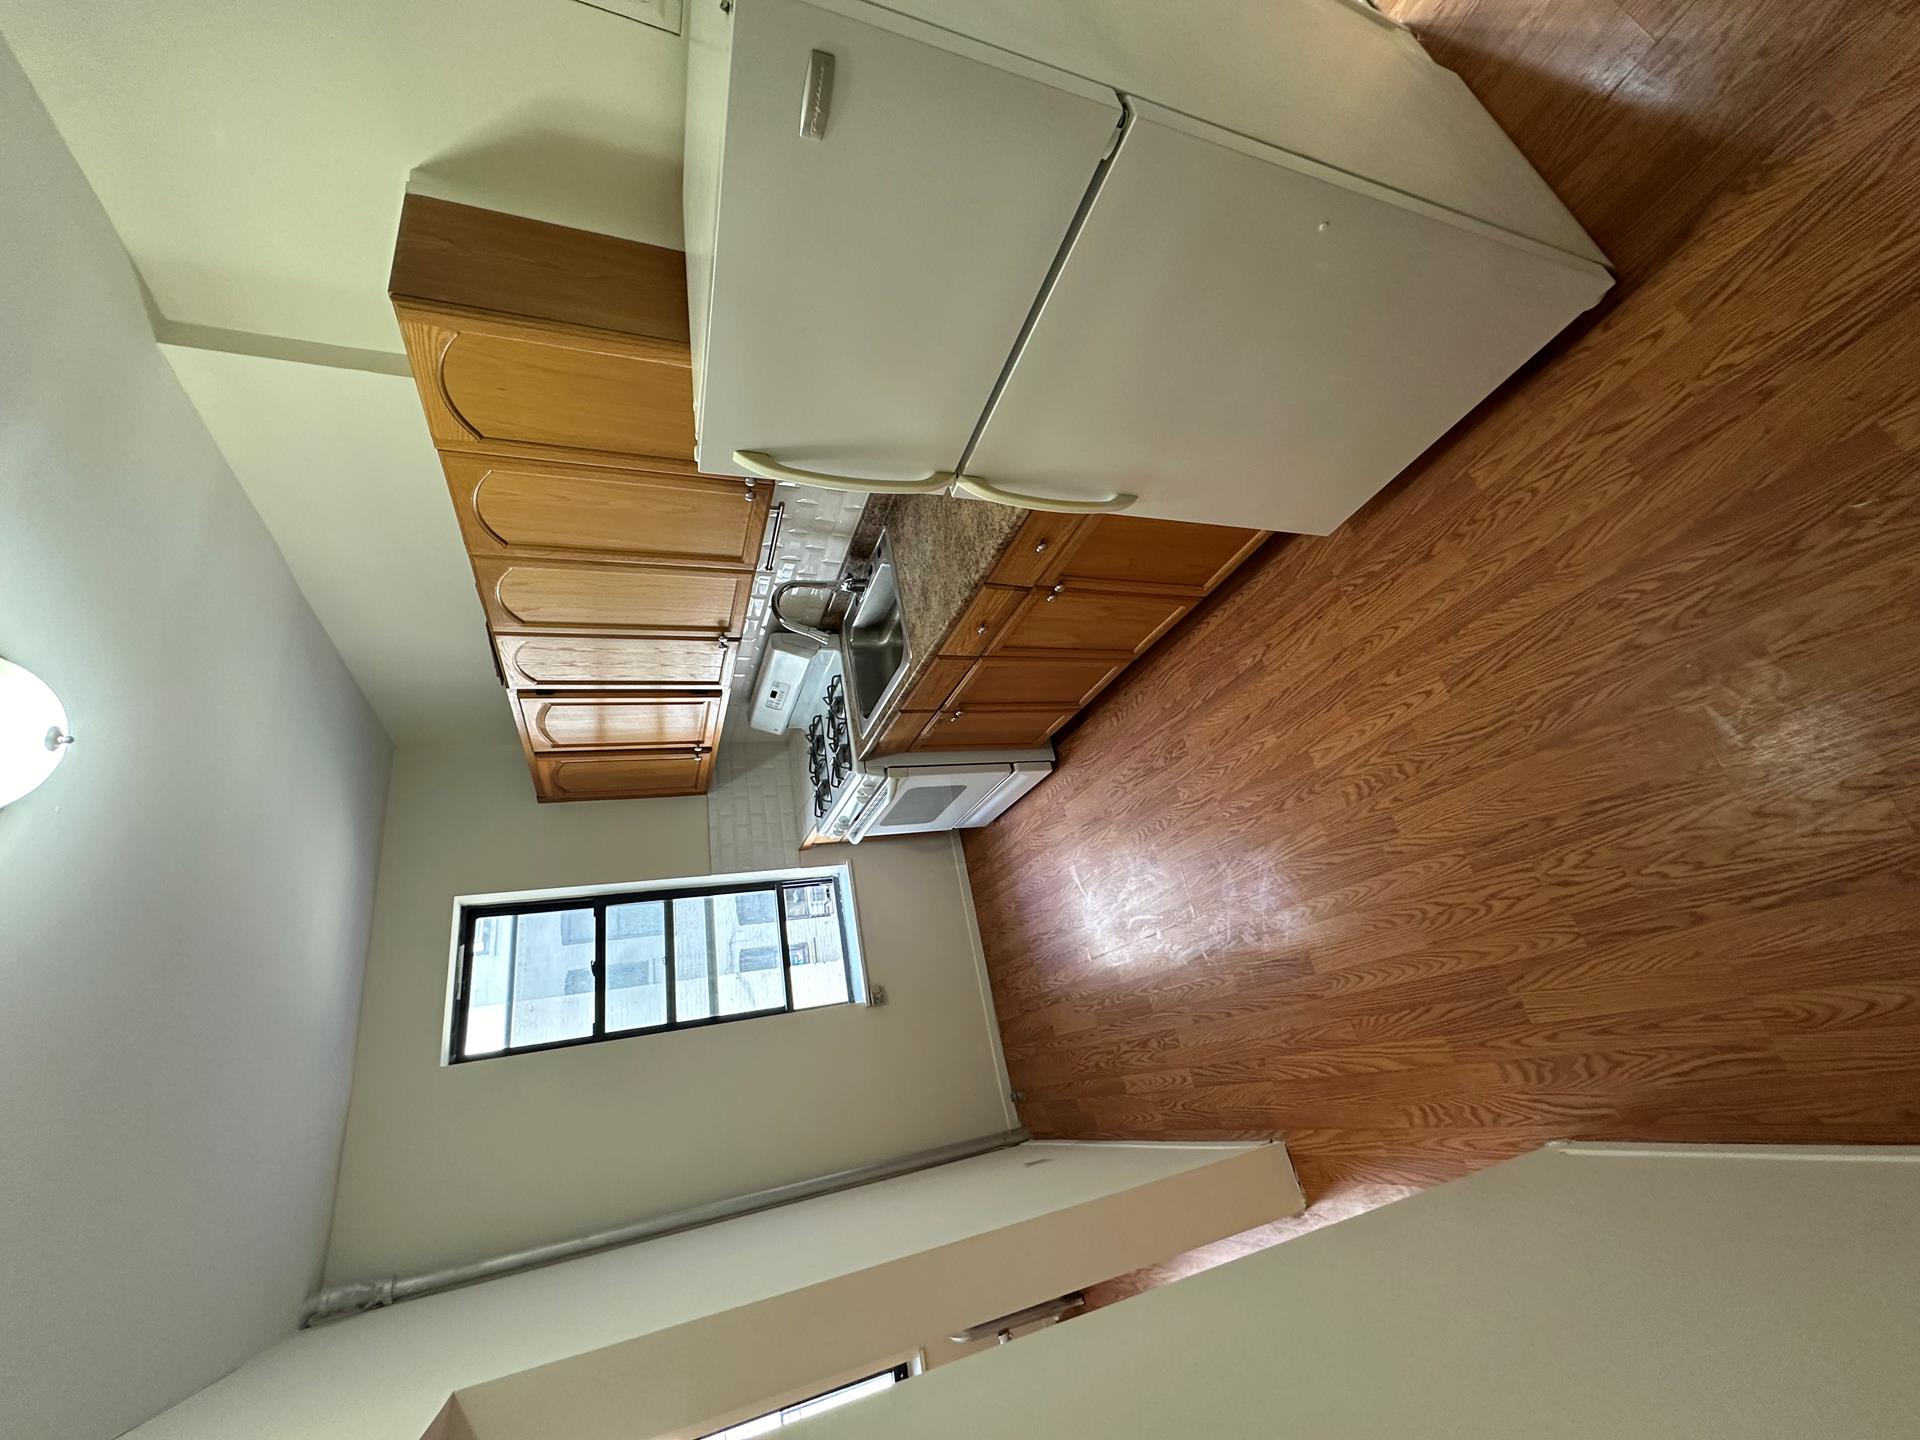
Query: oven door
{"type": "Point", "coordinates": [917, 799]}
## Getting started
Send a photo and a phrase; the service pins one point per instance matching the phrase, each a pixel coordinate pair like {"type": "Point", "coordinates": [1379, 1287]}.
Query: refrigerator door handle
{"type": "Point", "coordinates": [987, 490]}
{"type": "Point", "coordinates": [758, 462]}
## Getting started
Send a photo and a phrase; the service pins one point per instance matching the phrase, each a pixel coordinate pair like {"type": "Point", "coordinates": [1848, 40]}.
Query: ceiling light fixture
{"type": "Point", "coordinates": [33, 731]}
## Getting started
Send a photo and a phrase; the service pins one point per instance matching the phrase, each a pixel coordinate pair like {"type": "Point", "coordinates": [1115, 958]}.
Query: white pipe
{"type": "Point", "coordinates": [356, 1296]}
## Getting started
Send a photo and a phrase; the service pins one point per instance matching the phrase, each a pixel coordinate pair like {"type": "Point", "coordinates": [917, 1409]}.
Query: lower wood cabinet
{"type": "Point", "coordinates": [990, 728]}
{"type": "Point", "coordinates": [1068, 680]}
{"type": "Point", "coordinates": [632, 775]}
{"type": "Point", "coordinates": [573, 720]}
{"type": "Point", "coordinates": [1067, 616]}
{"type": "Point", "coordinates": [544, 662]}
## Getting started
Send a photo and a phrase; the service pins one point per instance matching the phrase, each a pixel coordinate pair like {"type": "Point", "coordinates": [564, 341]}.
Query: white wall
{"type": "Point", "coordinates": [385, 1375]}
{"type": "Point", "coordinates": [185, 902]}
{"type": "Point", "coordinates": [445, 1164]}
{"type": "Point", "coordinates": [1571, 1295]}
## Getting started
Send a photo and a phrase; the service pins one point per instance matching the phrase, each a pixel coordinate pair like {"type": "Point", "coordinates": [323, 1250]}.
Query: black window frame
{"type": "Point", "coordinates": [599, 903]}
{"type": "Point", "coordinates": [901, 1373]}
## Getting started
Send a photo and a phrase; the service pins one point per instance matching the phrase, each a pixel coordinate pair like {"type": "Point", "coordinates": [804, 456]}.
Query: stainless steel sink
{"type": "Point", "coordinates": [873, 642]}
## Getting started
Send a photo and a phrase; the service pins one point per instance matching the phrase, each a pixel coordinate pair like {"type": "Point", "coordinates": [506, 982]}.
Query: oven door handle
{"type": "Point", "coordinates": [871, 812]}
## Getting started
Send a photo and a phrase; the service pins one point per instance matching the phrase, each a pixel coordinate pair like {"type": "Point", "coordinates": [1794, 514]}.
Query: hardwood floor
{"type": "Point", "coordinates": [1572, 788]}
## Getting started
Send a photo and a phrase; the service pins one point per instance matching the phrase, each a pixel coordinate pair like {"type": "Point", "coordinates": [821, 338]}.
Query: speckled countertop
{"type": "Point", "coordinates": [943, 549]}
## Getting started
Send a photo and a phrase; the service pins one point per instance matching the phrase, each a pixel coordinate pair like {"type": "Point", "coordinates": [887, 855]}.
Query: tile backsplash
{"type": "Point", "coordinates": [753, 819]}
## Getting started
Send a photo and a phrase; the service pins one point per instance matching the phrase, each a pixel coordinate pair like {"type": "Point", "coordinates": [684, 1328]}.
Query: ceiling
{"type": "Point", "coordinates": [253, 159]}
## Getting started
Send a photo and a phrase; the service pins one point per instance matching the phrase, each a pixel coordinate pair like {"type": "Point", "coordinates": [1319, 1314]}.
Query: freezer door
{"type": "Point", "coordinates": [890, 200]}
{"type": "Point", "coordinates": [1240, 336]}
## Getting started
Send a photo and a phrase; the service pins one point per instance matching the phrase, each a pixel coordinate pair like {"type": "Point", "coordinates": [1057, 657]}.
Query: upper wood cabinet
{"type": "Point", "coordinates": [627, 775]}
{"type": "Point", "coordinates": [562, 512]}
{"type": "Point", "coordinates": [582, 662]}
{"type": "Point", "coordinates": [561, 595]}
{"type": "Point", "coordinates": [567, 720]}
{"type": "Point", "coordinates": [535, 340]}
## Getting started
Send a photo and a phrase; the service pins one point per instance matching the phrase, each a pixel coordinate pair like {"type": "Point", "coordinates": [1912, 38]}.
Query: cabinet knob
{"type": "Point", "coordinates": [1054, 594]}
{"type": "Point", "coordinates": [1041, 548]}
{"type": "Point", "coordinates": [980, 630]}
{"type": "Point", "coordinates": [955, 716]}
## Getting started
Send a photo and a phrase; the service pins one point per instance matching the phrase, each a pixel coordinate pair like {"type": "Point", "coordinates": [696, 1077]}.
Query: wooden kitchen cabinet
{"type": "Point", "coordinates": [570, 720]}
{"type": "Point", "coordinates": [1067, 679]}
{"type": "Point", "coordinates": [550, 661]}
{"type": "Point", "coordinates": [980, 622]}
{"type": "Point", "coordinates": [539, 509]}
{"type": "Point", "coordinates": [1068, 605]}
{"type": "Point", "coordinates": [1038, 550]}
{"type": "Point", "coordinates": [1076, 617]}
{"type": "Point", "coordinates": [632, 775]}
{"type": "Point", "coordinates": [540, 341]}
{"type": "Point", "coordinates": [901, 732]}
{"type": "Point", "coordinates": [1111, 549]}
{"type": "Point", "coordinates": [555, 595]}
{"type": "Point", "coordinates": [554, 372]}
{"type": "Point", "coordinates": [990, 727]}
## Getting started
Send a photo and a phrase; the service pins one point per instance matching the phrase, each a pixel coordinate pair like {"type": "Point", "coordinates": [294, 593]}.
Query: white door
{"type": "Point", "coordinates": [1240, 336]}
{"type": "Point", "coordinates": [869, 282]}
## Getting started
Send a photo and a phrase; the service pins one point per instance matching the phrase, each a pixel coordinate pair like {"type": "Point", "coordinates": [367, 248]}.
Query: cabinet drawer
{"type": "Point", "coordinates": [900, 732]}
{"type": "Point", "coordinates": [1035, 553]}
{"type": "Point", "coordinates": [541, 662]}
{"type": "Point", "coordinates": [991, 728]}
{"type": "Point", "coordinates": [974, 631]}
{"type": "Point", "coordinates": [931, 690]}
{"type": "Point", "coordinates": [573, 720]}
{"type": "Point", "coordinates": [553, 595]}
{"type": "Point", "coordinates": [1054, 680]}
{"type": "Point", "coordinates": [494, 384]}
{"type": "Point", "coordinates": [631, 776]}
{"type": "Point", "coordinates": [1108, 622]}
{"type": "Point", "coordinates": [538, 509]}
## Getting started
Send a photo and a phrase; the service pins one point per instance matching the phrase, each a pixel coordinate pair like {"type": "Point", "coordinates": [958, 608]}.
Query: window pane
{"type": "Point", "coordinates": [636, 965]}
{"type": "Point", "coordinates": [817, 944]}
{"type": "Point", "coordinates": [486, 1032]}
{"type": "Point", "coordinates": [552, 980]}
{"type": "Point", "coordinates": [727, 955]}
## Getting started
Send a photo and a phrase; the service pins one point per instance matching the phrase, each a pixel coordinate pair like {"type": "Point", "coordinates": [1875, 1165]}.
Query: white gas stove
{"type": "Point", "coordinates": [847, 798]}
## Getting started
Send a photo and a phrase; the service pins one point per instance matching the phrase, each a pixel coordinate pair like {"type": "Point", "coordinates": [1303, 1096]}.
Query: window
{"type": "Point", "coordinates": [832, 1400]}
{"type": "Point", "coordinates": [538, 974]}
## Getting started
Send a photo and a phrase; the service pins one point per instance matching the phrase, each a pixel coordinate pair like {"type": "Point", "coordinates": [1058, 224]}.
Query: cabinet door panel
{"type": "Point", "coordinates": [1109, 622]}
{"type": "Point", "coordinates": [1056, 680]}
{"type": "Point", "coordinates": [1123, 548]}
{"type": "Point", "coordinates": [632, 776]}
{"type": "Point", "coordinates": [538, 662]}
{"type": "Point", "coordinates": [535, 595]}
{"type": "Point", "coordinates": [570, 721]}
{"type": "Point", "coordinates": [526, 507]}
{"type": "Point", "coordinates": [989, 728]}
{"type": "Point", "coordinates": [514, 386]}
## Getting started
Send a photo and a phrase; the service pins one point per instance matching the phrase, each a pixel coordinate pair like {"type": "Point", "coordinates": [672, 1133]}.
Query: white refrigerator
{"type": "Point", "coordinates": [1017, 263]}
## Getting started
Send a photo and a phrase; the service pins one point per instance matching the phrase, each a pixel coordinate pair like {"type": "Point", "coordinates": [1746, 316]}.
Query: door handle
{"type": "Point", "coordinates": [987, 490]}
{"type": "Point", "coordinates": [758, 462]}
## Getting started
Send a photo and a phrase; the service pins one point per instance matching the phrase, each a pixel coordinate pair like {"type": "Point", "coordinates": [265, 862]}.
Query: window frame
{"type": "Point", "coordinates": [471, 913]}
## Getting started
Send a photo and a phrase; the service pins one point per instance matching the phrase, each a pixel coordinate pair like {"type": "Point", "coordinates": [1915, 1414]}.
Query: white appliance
{"type": "Point", "coordinates": [987, 247]}
{"type": "Point", "coordinates": [847, 798]}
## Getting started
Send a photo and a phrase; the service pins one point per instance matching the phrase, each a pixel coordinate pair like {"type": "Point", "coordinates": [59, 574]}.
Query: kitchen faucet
{"type": "Point", "coordinates": [851, 583]}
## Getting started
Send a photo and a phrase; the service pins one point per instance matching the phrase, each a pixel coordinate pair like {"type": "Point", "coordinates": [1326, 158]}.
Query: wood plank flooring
{"type": "Point", "coordinates": [1572, 788]}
